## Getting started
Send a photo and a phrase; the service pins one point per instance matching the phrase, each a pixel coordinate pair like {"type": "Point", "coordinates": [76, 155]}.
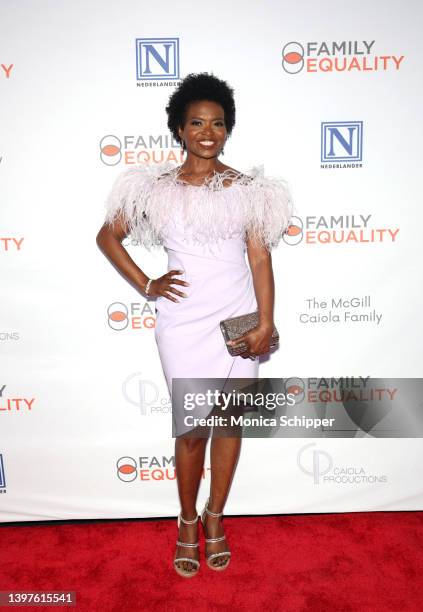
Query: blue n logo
{"type": "Point", "coordinates": [157, 58]}
{"type": "Point", "coordinates": [342, 141]}
{"type": "Point", "coordinates": [2, 474]}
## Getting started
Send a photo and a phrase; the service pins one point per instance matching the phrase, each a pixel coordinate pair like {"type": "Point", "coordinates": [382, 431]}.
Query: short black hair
{"type": "Point", "coordinates": [195, 87]}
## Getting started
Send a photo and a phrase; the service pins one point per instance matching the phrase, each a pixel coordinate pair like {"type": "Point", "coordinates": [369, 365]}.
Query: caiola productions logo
{"type": "Point", "coordinates": [333, 56]}
{"type": "Point", "coordinates": [316, 462]}
{"type": "Point", "coordinates": [145, 394]}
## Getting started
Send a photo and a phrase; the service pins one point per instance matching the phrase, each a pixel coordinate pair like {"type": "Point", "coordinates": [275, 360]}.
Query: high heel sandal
{"type": "Point", "coordinates": [180, 570]}
{"type": "Point", "coordinates": [212, 556]}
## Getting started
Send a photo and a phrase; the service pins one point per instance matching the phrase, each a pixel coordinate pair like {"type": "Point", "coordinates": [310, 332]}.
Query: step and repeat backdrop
{"type": "Point", "coordinates": [329, 98]}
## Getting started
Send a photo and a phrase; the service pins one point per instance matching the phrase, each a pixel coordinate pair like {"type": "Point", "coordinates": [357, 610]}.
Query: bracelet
{"type": "Point", "coordinates": [147, 287]}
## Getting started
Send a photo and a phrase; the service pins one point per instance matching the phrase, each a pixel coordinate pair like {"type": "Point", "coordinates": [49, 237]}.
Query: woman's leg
{"type": "Point", "coordinates": [224, 454]}
{"type": "Point", "coordinates": [189, 465]}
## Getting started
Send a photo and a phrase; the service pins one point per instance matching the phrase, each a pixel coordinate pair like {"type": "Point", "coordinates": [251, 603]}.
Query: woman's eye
{"type": "Point", "coordinates": [198, 122]}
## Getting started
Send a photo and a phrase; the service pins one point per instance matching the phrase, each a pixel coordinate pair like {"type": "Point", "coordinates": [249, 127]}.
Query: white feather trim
{"type": "Point", "coordinates": [147, 199]}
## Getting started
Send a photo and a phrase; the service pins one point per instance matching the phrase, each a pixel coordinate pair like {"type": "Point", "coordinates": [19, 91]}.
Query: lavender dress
{"type": "Point", "coordinates": [203, 230]}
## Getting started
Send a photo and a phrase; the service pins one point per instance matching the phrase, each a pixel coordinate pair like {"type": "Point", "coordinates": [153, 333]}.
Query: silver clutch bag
{"type": "Point", "coordinates": [236, 326]}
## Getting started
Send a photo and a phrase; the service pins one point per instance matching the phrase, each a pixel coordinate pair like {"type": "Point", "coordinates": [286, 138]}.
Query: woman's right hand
{"type": "Point", "coordinates": [162, 286]}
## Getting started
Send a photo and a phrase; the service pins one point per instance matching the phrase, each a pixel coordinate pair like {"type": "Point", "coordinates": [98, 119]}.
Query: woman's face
{"type": "Point", "coordinates": [204, 131]}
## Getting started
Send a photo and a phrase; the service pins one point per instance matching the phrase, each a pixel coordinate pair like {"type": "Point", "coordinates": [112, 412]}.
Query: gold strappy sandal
{"type": "Point", "coordinates": [226, 553]}
{"type": "Point", "coordinates": [180, 570]}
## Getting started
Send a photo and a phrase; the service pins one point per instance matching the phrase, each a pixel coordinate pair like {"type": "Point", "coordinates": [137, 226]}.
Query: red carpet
{"type": "Point", "coordinates": [351, 562]}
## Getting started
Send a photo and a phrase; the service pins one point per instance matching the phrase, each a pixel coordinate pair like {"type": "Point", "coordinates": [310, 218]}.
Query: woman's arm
{"type": "Point", "coordinates": [260, 260]}
{"type": "Point", "coordinates": [259, 338]}
{"type": "Point", "coordinates": [109, 240]}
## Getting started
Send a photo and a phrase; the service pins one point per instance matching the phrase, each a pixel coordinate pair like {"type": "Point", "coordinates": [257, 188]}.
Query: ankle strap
{"type": "Point", "coordinates": [188, 522]}
{"type": "Point", "coordinates": [210, 512]}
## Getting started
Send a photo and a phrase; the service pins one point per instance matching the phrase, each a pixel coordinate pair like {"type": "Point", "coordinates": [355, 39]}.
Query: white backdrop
{"type": "Point", "coordinates": [82, 392]}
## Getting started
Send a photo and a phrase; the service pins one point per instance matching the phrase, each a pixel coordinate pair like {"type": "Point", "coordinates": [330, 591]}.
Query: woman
{"type": "Point", "coordinates": [206, 215]}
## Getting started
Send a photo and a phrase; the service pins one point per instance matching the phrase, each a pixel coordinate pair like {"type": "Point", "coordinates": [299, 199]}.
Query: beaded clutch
{"type": "Point", "coordinates": [236, 326]}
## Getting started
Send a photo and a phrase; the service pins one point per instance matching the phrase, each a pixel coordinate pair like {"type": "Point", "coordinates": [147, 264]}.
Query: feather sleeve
{"type": "Point", "coordinates": [147, 198]}
{"type": "Point", "coordinates": [130, 201]}
{"type": "Point", "coordinates": [269, 208]}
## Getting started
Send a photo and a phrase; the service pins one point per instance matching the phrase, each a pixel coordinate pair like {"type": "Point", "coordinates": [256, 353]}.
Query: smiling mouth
{"type": "Point", "coordinates": [206, 143]}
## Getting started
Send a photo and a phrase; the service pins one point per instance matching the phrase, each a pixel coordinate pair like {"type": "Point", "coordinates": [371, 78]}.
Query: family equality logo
{"type": "Point", "coordinates": [135, 315]}
{"type": "Point", "coordinates": [140, 149]}
{"type": "Point", "coordinates": [333, 56]}
{"type": "Point", "coordinates": [11, 244]}
{"type": "Point", "coordinates": [337, 229]}
{"type": "Point", "coordinates": [10, 403]}
{"type": "Point", "coordinates": [149, 468]}
{"type": "Point", "coordinates": [146, 468]}
{"type": "Point", "coordinates": [6, 70]}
